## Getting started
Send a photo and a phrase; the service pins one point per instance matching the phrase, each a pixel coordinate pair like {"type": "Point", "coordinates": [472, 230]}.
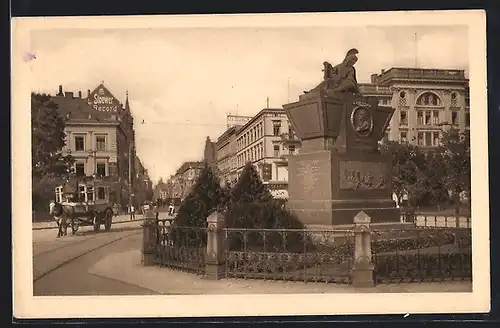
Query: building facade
{"type": "Point", "coordinates": [180, 184]}
{"type": "Point", "coordinates": [266, 141]}
{"type": "Point", "coordinates": [100, 136]}
{"type": "Point", "coordinates": [226, 155]}
{"type": "Point", "coordinates": [426, 102]}
{"type": "Point", "coordinates": [143, 187]}
{"type": "Point", "coordinates": [210, 153]}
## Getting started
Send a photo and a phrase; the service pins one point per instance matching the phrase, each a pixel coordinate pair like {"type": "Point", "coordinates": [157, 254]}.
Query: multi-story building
{"type": "Point", "coordinates": [266, 141]}
{"type": "Point", "coordinates": [210, 153]}
{"type": "Point", "coordinates": [143, 187]}
{"type": "Point", "coordinates": [226, 155]}
{"type": "Point", "coordinates": [180, 184]}
{"type": "Point", "coordinates": [160, 190]}
{"type": "Point", "coordinates": [100, 136]}
{"type": "Point", "coordinates": [426, 100]}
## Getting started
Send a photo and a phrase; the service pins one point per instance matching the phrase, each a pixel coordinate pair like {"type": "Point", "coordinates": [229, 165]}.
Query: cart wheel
{"type": "Point", "coordinates": [74, 226]}
{"type": "Point", "coordinates": [97, 223]}
{"type": "Point", "coordinates": [108, 219]}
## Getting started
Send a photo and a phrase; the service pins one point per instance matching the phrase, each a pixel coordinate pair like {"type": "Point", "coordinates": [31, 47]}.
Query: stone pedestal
{"type": "Point", "coordinates": [214, 260]}
{"type": "Point", "coordinates": [339, 170]}
{"type": "Point", "coordinates": [149, 238]}
{"type": "Point", "coordinates": [362, 271]}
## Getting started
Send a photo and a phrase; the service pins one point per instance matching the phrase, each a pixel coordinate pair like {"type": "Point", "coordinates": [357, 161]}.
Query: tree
{"type": "Point", "coordinates": [251, 206]}
{"type": "Point", "coordinates": [48, 139]}
{"type": "Point", "coordinates": [455, 147]}
{"type": "Point", "coordinates": [49, 166]}
{"type": "Point", "coordinates": [249, 187]}
{"type": "Point", "coordinates": [409, 176]}
{"type": "Point", "coordinates": [206, 197]}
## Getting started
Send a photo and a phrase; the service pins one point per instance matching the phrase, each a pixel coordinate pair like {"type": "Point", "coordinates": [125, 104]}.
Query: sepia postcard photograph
{"type": "Point", "coordinates": [250, 165]}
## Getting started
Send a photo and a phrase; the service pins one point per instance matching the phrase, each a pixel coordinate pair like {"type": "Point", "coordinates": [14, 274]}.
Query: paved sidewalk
{"type": "Point", "coordinates": [53, 225]}
{"type": "Point", "coordinates": [127, 267]}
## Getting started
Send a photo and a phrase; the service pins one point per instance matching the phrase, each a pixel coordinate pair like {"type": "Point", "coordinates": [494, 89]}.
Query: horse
{"type": "Point", "coordinates": [61, 215]}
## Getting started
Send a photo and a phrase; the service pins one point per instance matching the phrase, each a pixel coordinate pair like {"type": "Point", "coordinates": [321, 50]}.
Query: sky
{"type": "Point", "coordinates": [182, 82]}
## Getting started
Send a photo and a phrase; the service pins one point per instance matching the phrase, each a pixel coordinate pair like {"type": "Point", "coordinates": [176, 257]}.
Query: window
{"type": "Point", "coordinates": [428, 99]}
{"type": "Point", "coordinates": [420, 138]}
{"type": "Point", "coordinates": [403, 118]}
{"type": "Point", "coordinates": [101, 193]}
{"type": "Point", "coordinates": [101, 169]}
{"type": "Point", "coordinates": [276, 151]}
{"type": "Point", "coordinates": [81, 193]}
{"type": "Point", "coordinates": [435, 137]}
{"type": "Point", "coordinates": [402, 98]}
{"type": "Point", "coordinates": [80, 169]}
{"type": "Point", "coordinates": [100, 143]}
{"type": "Point", "coordinates": [276, 128]}
{"type": "Point", "coordinates": [420, 117]}
{"type": "Point", "coordinates": [435, 117]}
{"type": "Point", "coordinates": [403, 137]}
{"type": "Point", "coordinates": [453, 102]}
{"type": "Point", "coordinates": [90, 194]}
{"type": "Point", "coordinates": [427, 118]}
{"type": "Point", "coordinates": [291, 149]}
{"type": "Point", "coordinates": [428, 140]}
{"type": "Point", "coordinates": [454, 118]}
{"type": "Point", "coordinates": [79, 143]}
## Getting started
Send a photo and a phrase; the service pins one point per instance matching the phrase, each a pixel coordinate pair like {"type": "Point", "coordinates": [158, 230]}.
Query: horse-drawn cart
{"type": "Point", "coordinates": [88, 205]}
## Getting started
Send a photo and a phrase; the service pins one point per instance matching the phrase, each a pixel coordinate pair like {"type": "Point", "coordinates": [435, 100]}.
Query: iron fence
{"type": "Point", "coordinates": [181, 248]}
{"type": "Point", "coordinates": [289, 254]}
{"type": "Point", "coordinates": [422, 254]}
{"type": "Point", "coordinates": [436, 220]}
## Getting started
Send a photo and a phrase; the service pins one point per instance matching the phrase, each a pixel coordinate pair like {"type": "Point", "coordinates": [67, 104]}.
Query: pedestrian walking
{"type": "Point", "coordinates": [132, 212]}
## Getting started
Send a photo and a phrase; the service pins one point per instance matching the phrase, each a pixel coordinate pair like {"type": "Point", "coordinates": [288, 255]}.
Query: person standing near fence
{"type": "Point", "coordinates": [132, 212]}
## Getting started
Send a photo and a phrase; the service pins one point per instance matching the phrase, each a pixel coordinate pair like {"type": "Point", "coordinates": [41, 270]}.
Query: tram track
{"type": "Point", "coordinates": [82, 235]}
{"type": "Point", "coordinates": [56, 259]}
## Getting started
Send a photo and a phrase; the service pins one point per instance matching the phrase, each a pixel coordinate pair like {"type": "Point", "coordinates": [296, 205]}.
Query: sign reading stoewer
{"type": "Point", "coordinates": [361, 119]}
{"type": "Point", "coordinates": [102, 100]}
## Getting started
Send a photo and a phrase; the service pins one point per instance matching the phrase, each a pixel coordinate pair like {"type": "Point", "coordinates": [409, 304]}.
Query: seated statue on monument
{"type": "Point", "coordinates": [341, 77]}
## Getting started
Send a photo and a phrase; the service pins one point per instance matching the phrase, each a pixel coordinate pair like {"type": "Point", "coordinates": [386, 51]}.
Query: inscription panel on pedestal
{"type": "Point", "coordinates": [358, 175]}
{"type": "Point", "coordinates": [308, 173]}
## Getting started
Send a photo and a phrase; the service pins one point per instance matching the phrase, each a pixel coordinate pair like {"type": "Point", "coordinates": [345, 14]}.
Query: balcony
{"type": "Point", "coordinates": [290, 138]}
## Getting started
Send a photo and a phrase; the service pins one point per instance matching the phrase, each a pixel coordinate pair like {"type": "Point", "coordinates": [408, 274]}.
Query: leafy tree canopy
{"type": "Point", "coordinates": [48, 139]}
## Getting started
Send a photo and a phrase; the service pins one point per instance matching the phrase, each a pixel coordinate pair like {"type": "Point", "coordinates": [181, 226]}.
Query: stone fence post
{"type": "Point", "coordinates": [362, 271]}
{"type": "Point", "coordinates": [149, 240]}
{"type": "Point", "coordinates": [214, 260]}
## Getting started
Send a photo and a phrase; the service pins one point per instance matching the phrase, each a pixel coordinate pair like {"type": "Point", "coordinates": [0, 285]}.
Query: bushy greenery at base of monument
{"type": "Point", "coordinates": [251, 206]}
{"type": "Point", "coordinates": [206, 197]}
{"type": "Point", "coordinates": [247, 205]}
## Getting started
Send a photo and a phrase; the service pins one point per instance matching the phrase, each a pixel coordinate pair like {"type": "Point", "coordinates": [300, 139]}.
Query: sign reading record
{"type": "Point", "coordinates": [103, 102]}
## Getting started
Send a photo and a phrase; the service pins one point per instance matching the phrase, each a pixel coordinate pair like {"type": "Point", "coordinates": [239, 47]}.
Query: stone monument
{"type": "Point", "coordinates": [339, 170]}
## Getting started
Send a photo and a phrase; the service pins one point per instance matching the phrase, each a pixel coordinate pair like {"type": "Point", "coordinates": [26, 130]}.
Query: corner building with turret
{"type": "Point", "coordinates": [100, 136]}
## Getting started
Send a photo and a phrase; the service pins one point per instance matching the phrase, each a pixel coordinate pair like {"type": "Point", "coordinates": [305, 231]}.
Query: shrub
{"type": "Point", "coordinates": [206, 197]}
{"type": "Point", "coordinates": [251, 206]}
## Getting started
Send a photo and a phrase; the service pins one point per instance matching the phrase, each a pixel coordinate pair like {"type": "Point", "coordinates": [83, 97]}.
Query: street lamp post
{"type": "Point", "coordinates": [130, 190]}
{"type": "Point", "coordinates": [93, 154]}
